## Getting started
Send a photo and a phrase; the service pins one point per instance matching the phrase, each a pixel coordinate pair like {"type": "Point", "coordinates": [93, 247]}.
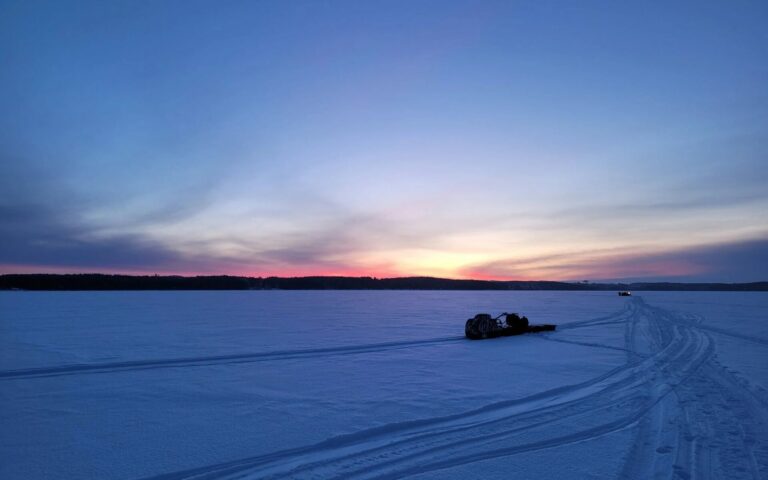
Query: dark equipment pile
{"type": "Point", "coordinates": [483, 325]}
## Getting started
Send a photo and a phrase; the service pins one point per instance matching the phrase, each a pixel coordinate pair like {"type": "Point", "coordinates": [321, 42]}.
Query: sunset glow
{"type": "Point", "coordinates": [508, 140]}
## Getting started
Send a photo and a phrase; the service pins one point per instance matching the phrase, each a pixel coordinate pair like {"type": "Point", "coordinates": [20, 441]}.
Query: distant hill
{"type": "Point", "coordinates": [225, 282]}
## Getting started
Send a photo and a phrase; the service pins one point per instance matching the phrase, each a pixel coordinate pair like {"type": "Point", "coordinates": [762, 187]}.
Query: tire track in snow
{"type": "Point", "coordinates": [583, 344]}
{"type": "Point", "coordinates": [621, 316]}
{"type": "Point", "coordinates": [611, 402]}
{"type": "Point", "coordinates": [618, 318]}
{"type": "Point", "coordinates": [110, 367]}
{"type": "Point", "coordinates": [739, 336]}
{"type": "Point", "coordinates": [713, 429]}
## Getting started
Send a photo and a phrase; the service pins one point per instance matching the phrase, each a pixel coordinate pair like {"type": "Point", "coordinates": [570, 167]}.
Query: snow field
{"type": "Point", "coordinates": [642, 387]}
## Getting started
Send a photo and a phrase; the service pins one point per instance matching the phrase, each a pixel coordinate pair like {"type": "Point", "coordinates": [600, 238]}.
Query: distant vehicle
{"type": "Point", "coordinates": [483, 326]}
{"type": "Point", "coordinates": [625, 293]}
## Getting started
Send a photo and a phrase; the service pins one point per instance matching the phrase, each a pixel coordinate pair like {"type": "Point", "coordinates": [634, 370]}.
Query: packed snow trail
{"type": "Point", "coordinates": [691, 418]}
{"type": "Point", "coordinates": [111, 367]}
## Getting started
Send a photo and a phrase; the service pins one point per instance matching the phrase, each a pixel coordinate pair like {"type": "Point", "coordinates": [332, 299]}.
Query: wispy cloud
{"type": "Point", "coordinates": [43, 224]}
{"type": "Point", "coordinates": [36, 235]}
{"type": "Point", "coordinates": [735, 261]}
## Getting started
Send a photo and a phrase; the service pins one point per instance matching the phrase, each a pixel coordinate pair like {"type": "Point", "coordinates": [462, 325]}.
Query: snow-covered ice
{"type": "Point", "coordinates": [381, 384]}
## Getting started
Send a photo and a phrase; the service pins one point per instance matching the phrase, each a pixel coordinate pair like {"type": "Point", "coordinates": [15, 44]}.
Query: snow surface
{"type": "Point", "coordinates": [381, 384]}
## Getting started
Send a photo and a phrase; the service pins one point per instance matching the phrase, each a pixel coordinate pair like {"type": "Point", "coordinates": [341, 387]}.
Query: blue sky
{"type": "Point", "coordinates": [521, 140]}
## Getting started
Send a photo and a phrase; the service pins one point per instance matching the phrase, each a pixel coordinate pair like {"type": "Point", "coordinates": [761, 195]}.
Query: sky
{"type": "Point", "coordinates": [495, 140]}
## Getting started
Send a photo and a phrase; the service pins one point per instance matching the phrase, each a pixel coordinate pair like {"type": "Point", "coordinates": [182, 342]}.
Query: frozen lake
{"type": "Point", "coordinates": [381, 384]}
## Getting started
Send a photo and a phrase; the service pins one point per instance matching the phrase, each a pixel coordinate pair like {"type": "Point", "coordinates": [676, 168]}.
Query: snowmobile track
{"type": "Point", "coordinates": [88, 368]}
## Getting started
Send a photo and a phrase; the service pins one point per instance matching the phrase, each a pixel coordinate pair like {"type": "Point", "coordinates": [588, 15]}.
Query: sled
{"type": "Point", "coordinates": [483, 326]}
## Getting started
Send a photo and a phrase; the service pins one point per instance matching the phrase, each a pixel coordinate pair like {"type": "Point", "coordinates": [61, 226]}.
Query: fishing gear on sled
{"type": "Point", "coordinates": [483, 326]}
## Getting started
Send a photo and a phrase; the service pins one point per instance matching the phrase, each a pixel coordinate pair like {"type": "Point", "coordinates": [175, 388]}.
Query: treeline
{"type": "Point", "coordinates": [404, 283]}
{"type": "Point", "coordinates": [120, 282]}
{"type": "Point", "coordinates": [225, 282]}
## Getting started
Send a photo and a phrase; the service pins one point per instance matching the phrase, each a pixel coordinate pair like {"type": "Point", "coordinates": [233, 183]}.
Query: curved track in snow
{"type": "Point", "coordinates": [691, 418]}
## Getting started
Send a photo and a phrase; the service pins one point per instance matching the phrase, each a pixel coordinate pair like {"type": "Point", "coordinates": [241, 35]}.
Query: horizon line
{"type": "Point", "coordinates": [376, 278]}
